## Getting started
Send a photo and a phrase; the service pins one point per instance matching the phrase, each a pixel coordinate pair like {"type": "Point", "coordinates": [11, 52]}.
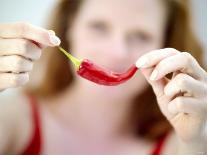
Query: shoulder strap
{"type": "Point", "coordinates": [159, 145]}
{"type": "Point", "coordinates": [34, 145]}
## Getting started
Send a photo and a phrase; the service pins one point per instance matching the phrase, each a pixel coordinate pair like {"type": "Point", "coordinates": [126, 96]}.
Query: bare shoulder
{"type": "Point", "coordinates": [170, 146]}
{"type": "Point", "coordinates": [15, 118]}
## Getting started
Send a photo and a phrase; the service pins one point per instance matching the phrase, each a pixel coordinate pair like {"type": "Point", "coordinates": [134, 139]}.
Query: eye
{"type": "Point", "coordinates": [138, 38]}
{"type": "Point", "coordinates": [99, 27]}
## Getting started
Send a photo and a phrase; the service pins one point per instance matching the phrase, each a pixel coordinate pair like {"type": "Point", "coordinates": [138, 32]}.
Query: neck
{"type": "Point", "coordinates": [94, 113]}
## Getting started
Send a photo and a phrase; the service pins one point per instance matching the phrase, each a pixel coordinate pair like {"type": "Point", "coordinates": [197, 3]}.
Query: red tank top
{"type": "Point", "coordinates": [34, 146]}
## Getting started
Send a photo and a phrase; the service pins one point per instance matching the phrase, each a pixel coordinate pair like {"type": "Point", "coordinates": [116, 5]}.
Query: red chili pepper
{"type": "Point", "coordinates": [90, 71]}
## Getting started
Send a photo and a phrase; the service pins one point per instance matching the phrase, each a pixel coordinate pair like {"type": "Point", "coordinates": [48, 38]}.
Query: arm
{"type": "Point", "coordinates": [14, 118]}
{"type": "Point", "coordinates": [6, 138]}
{"type": "Point", "coordinates": [195, 148]}
{"type": "Point", "coordinates": [181, 98]}
{"type": "Point", "coordinates": [20, 46]}
{"type": "Point", "coordinates": [174, 146]}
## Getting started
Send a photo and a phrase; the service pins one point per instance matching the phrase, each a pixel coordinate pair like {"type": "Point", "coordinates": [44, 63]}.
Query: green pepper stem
{"type": "Point", "coordinates": [74, 60]}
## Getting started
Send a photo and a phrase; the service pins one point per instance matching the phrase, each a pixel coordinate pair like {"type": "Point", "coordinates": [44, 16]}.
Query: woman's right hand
{"type": "Point", "coordinates": [20, 45]}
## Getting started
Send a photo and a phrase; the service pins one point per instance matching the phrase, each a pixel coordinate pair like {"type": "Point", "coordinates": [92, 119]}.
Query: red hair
{"type": "Point", "coordinates": [146, 116]}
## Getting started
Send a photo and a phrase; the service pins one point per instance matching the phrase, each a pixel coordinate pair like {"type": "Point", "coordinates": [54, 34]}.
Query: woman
{"type": "Point", "coordinates": [66, 114]}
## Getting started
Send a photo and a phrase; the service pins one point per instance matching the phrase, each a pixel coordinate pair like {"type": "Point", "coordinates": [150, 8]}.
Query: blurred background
{"type": "Point", "coordinates": [38, 11]}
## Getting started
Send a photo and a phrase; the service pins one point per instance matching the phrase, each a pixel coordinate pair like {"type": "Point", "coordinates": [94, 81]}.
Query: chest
{"type": "Point", "coordinates": [59, 140]}
{"type": "Point", "coordinates": [69, 147]}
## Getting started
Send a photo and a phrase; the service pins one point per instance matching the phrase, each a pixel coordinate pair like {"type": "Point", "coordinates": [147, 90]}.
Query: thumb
{"type": "Point", "coordinates": [158, 85]}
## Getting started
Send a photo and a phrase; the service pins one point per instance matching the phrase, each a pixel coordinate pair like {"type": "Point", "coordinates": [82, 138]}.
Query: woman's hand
{"type": "Point", "coordinates": [183, 98]}
{"type": "Point", "coordinates": [21, 45]}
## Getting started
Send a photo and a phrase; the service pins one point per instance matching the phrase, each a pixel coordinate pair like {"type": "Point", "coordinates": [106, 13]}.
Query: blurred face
{"type": "Point", "coordinates": [114, 34]}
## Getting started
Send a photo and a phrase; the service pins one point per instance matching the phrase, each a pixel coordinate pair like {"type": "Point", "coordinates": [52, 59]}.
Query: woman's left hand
{"type": "Point", "coordinates": [182, 98]}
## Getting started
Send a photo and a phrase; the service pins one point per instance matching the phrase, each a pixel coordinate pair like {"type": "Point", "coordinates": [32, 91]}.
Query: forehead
{"type": "Point", "coordinates": [124, 5]}
{"type": "Point", "coordinates": [130, 12]}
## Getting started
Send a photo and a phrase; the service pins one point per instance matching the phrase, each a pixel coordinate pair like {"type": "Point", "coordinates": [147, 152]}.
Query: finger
{"type": "Point", "coordinates": [158, 86]}
{"type": "Point", "coordinates": [9, 80]}
{"type": "Point", "coordinates": [183, 83]}
{"type": "Point", "coordinates": [21, 47]}
{"type": "Point", "coordinates": [15, 64]}
{"type": "Point", "coordinates": [183, 62]}
{"type": "Point", "coordinates": [152, 58]}
{"type": "Point", "coordinates": [176, 73]}
{"type": "Point", "coordinates": [30, 32]}
{"type": "Point", "coordinates": [188, 105]}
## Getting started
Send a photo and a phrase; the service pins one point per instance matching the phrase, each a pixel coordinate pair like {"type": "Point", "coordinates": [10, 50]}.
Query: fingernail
{"type": "Point", "coordinates": [154, 75]}
{"type": "Point", "coordinates": [54, 40]}
{"type": "Point", "coordinates": [51, 32]}
{"type": "Point", "coordinates": [142, 62]}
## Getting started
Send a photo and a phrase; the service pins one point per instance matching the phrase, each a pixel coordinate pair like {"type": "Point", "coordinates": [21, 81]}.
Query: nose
{"type": "Point", "coordinates": [118, 47]}
{"type": "Point", "coordinates": [116, 55]}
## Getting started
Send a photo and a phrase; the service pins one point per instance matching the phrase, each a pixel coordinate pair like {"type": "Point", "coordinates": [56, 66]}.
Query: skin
{"type": "Point", "coordinates": [108, 40]}
{"type": "Point", "coordinates": [98, 34]}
